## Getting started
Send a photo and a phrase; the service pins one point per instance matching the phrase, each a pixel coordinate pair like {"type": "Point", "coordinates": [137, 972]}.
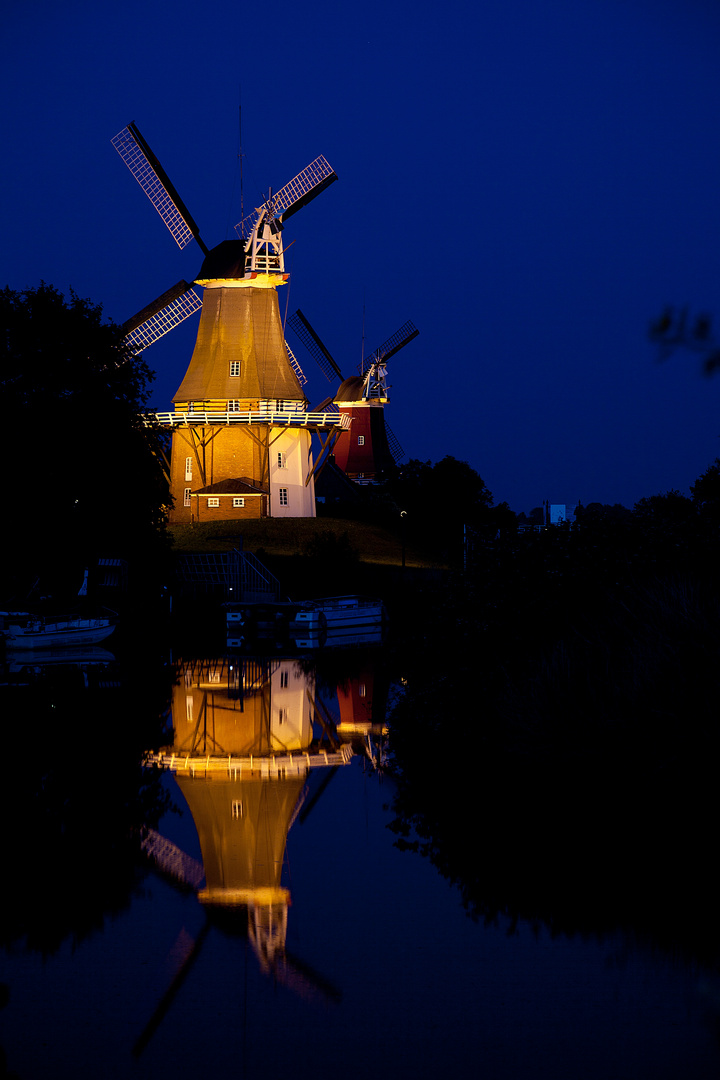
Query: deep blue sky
{"type": "Point", "coordinates": [529, 181]}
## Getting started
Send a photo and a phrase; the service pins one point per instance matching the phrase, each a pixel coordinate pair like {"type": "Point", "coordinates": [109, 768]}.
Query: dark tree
{"type": "Point", "coordinates": [85, 474]}
{"type": "Point", "coordinates": [439, 500]}
{"type": "Point", "coordinates": [676, 329]}
{"type": "Point", "coordinates": [706, 493]}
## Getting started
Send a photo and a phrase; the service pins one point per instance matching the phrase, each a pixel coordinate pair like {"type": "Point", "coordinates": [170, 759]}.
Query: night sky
{"type": "Point", "coordinates": [529, 181]}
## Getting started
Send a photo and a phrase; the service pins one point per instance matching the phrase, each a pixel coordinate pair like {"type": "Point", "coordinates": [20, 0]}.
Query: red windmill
{"type": "Point", "coordinates": [369, 447]}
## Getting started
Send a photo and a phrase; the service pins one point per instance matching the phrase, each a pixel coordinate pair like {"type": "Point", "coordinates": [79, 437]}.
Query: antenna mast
{"type": "Point", "coordinates": [242, 207]}
{"type": "Point", "coordinates": [362, 339]}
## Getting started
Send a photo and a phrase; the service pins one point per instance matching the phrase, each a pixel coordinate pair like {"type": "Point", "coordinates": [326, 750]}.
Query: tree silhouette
{"type": "Point", "coordinates": [85, 476]}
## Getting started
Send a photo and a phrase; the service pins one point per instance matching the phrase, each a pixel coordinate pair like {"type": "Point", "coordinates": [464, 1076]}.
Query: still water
{"type": "Point", "coordinates": [285, 933]}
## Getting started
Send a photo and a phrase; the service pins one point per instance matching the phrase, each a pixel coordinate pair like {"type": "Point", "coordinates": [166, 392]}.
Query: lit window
{"type": "Point", "coordinates": [189, 708]}
{"type": "Point", "coordinates": [234, 369]}
{"type": "Point", "coordinates": [238, 501]}
{"type": "Point", "coordinates": [283, 496]}
{"type": "Point", "coordinates": [282, 460]}
{"type": "Point", "coordinates": [361, 689]}
{"type": "Point", "coordinates": [188, 468]}
{"type": "Point", "coordinates": [237, 808]}
{"type": "Point", "coordinates": [233, 406]}
{"type": "Point", "coordinates": [361, 440]}
{"type": "Point", "coordinates": [213, 502]}
{"type": "Point", "coordinates": [186, 496]}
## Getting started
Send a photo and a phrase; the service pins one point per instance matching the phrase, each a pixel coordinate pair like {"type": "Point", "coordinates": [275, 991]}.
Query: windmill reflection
{"type": "Point", "coordinates": [253, 748]}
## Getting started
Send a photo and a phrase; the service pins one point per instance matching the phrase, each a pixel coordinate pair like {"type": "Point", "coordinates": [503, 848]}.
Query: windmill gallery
{"type": "Point", "coordinates": [242, 431]}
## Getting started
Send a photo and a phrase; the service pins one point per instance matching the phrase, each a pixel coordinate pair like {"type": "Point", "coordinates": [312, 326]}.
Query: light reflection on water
{"type": "Point", "coordinates": [392, 978]}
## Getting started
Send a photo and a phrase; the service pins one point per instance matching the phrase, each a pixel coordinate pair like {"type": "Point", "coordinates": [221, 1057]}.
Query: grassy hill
{"type": "Point", "coordinates": [295, 536]}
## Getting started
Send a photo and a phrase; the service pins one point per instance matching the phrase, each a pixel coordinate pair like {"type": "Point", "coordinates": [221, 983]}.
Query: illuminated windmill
{"type": "Point", "coordinates": [244, 755]}
{"type": "Point", "coordinates": [241, 430]}
{"type": "Point", "coordinates": [369, 447]}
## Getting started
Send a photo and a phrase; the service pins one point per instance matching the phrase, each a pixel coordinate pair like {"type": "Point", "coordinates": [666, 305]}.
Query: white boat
{"type": "Point", "coordinates": [333, 620]}
{"type": "Point", "coordinates": [334, 613]}
{"type": "Point", "coordinates": [25, 630]}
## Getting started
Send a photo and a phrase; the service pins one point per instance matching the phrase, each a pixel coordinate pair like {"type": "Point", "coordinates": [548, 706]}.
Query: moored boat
{"type": "Point", "coordinates": [339, 612]}
{"type": "Point", "coordinates": [25, 630]}
{"type": "Point", "coordinates": [308, 623]}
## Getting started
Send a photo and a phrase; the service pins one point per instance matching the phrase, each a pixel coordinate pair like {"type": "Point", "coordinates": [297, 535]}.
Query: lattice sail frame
{"type": "Point", "coordinates": [158, 190]}
{"type": "Point", "coordinates": [307, 336]}
{"type": "Point", "coordinates": [394, 343]}
{"type": "Point", "coordinates": [306, 185]}
{"type": "Point", "coordinates": [163, 321]}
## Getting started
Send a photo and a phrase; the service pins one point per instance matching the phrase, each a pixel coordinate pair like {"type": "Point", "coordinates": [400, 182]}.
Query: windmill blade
{"type": "Point", "coordinates": [173, 861]}
{"type": "Point", "coordinates": [393, 344]}
{"type": "Point", "coordinates": [394, 446]}
{"type": "Point", "coordinates": [301, 190]}
{"type": "Point", "coordinates": [326, 405]}
{"type": "Point", "coordinates": [305, 980]}
{"type": "Point", "coordinates": [302, 379]}
{"type": "Point", "coordinates": [190, 950]}
{"type": "Point", "coordinates": [162, 316]}
{"type": "Point", "coordinates": [304, 331]}
{"type": "Point", "coordinates": [156, 184]}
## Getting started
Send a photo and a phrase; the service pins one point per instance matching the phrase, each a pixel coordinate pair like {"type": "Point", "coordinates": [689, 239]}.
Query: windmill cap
{"type": "Point", "coordinates": [351, 389]}
{"type": "Point", "coordinates": [227, 260]}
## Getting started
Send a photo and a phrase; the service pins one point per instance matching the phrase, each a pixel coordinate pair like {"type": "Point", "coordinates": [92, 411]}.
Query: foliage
{"type": "Point", "coordinates": [675, 329]}
{"type": "Point", "coordinates": [72, 812]}
{"type": "Point", "coordinates": [576, 668]}
{"type": "Point", "coordinates": [438, 500]}
{"type": "Point", "coordinates": [86, 477]}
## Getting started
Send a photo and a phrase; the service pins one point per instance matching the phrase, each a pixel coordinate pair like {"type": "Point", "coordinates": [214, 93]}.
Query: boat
{"type": "Point", "coordinates": [307, 623]}
{"type": "Point", "coordinates": [338, 613]}
{"type": "Point", "coordinates": [26, 630]}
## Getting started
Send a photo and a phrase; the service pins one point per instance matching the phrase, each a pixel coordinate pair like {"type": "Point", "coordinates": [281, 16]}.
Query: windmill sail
{"type": "Point", "coordinates": [304, 331]}
{"type": "Point", "coordinates": [301, 190]}
{"type": "Point", "coordinates": [395, 448]}
{"type": "Point", "coordinates": [156, 184]}
{"type": "Point", "coordinates": [160, 317]}
{"type": "Point", "coordinates": [393, 344]}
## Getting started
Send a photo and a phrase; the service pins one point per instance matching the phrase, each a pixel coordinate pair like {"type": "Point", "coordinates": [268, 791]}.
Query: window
{"type": "Point", "coordinates": [234, 369]}
{"type": "Point", "coordinates": [191, 406]}
{"type": "Point", "coordinates": [213, 502]}
{"type": "Point", "coordinates": [233, 406]}
{"type": "Point", "coordinates": [237, 808]}
{"type": "Point", "coordinates": [186, 496]}
{"type": "Point", "coordinates": [189, 708]}
{"type": "Point", "coordinates": [283, 678]}
{"type": "Point", "coordinates": [283, 496]}
{"type": "Point", "coordinates": [361, 689]}
{"type": "Point", "coordinates": [282, 460]}
{"type": "Point", "coordinates": [238, 501]}
{"type": "Point", "coordinates": [188, 468]}
{"type": "Point", "coordinates": [281, 715]}
{"type": "Point", "coordinates": [361, 440]}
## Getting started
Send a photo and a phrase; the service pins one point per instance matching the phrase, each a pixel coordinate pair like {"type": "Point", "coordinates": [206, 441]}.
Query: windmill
{"type": "Point", "coordinates": [369, 447]}
{"type": "Point", "coordinates": [241, 430]}
{"type": "Point", "coordinates": [249, 764]}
